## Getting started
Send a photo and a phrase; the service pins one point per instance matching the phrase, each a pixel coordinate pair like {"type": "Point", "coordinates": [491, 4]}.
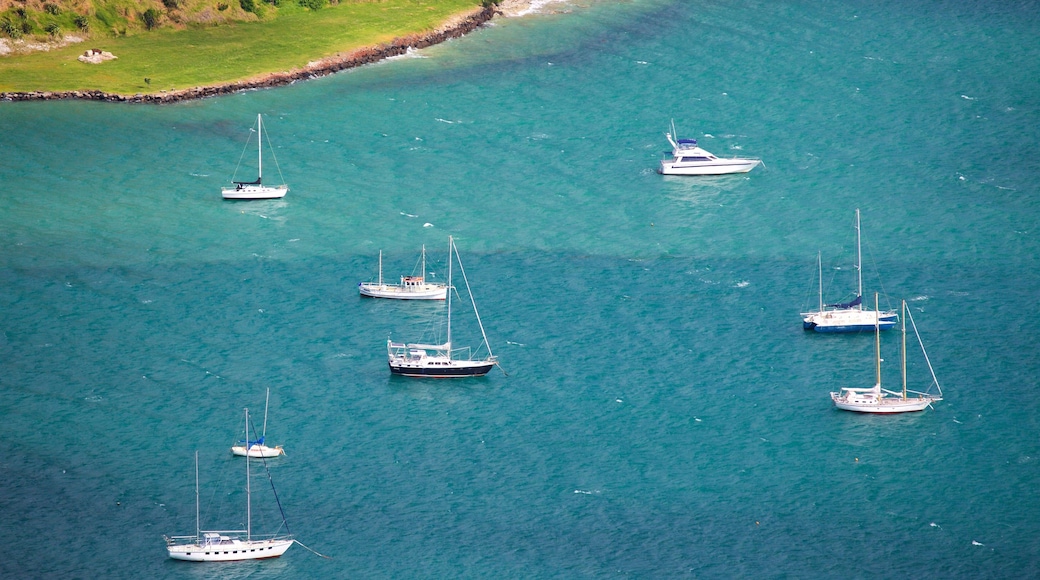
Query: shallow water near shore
{"type": "Point", "coordinates": [663, 414]}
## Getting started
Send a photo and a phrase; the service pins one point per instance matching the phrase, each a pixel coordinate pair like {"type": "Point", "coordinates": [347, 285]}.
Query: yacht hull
{"type": "Point", "coordinates": [885, 405]}
{"type": "Point", "coordinates": [229, 552]}
{"type": "Point", "coordinates": [398, 293]}
{"type": "Point", "coordinates": [257, 451]}
{"type": "Point", "coordinates": [847, 321]}
{"type": "Point", "coordinates": [254, 192]}
{"type": "Point", "coordinates": [452, 371]}
{"type": "Point", "coordinates": [716, 167]}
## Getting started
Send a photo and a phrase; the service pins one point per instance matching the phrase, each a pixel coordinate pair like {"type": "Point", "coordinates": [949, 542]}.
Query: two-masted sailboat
{"type": "Point", "coordinates": [228, 545]}
{"type": "Point", "coordinates": [442, 360]}
{"type": "Point", "coordinates": [256, 189]}
{"type": "Point", "coordinates": [410, 288]}
{"type": "Point", "coordinates": [880, 400]}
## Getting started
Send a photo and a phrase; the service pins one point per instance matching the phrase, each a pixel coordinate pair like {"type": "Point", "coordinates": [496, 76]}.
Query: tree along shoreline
{"type": "Point", "coordinates": [326, 66]}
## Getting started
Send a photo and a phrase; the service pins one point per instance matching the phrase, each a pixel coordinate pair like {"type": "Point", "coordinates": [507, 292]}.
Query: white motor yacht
{"type": "Point", "coordinates": [689, 159]}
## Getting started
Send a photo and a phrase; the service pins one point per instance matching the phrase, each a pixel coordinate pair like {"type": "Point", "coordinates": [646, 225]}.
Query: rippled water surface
{"type": "Point", "coordinates": [661, 413]}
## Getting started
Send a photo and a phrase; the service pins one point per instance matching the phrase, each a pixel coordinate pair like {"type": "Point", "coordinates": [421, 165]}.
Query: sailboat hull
{"type": "Point", "coordinates": [229, 550]}
{"type": "Point", "coordinates": [847, 321]}
{"type": "Point", "coordinates": [258, 451]}
{"type": "Point", "coordinates": [398, 292]}
{"type": "Point", "coordinates": [255, 192]}
{"type": "Point", "coordinates": [882, 405]}
{"type": "Point", "coordinates": [451, 370]}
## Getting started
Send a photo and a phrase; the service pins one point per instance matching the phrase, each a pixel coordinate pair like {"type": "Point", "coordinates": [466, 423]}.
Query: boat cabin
{"type": "Point", "coordinates": [214, 539]}
{"type": "Point", "coordinates": [412, 282]}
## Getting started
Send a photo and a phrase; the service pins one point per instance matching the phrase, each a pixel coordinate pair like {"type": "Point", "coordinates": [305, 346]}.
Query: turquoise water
{"type": "Point", "coordinates": [663, 415]}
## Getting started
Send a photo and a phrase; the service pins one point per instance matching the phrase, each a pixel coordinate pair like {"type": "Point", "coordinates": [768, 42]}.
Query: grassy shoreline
{"type": "Point", "coordinates": [297, 44]}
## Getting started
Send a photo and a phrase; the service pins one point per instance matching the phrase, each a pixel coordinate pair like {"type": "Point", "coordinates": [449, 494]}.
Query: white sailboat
{"type": "Point", "coordinates": [849, 316]}
{"type": "Point", "coordinates": [441, 360]}
{"type": "Point", "coordinates": [256, 189]}
{"type": "Point", "coordinates": [258, 448]}
{"type": "Point", "coordinates": [879, 400]}
{"type": "Point", "coordinates": [227, 545]}
{"type": "Point", "coordinates": [410, 288]}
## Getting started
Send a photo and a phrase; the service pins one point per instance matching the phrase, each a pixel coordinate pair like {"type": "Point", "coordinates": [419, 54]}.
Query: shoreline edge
{"type": "Point", "coordinates": [456, 27]}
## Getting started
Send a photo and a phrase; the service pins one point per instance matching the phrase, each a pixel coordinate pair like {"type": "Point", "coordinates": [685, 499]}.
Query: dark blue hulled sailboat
{"type": "Point", "coordinates": [848, 316]}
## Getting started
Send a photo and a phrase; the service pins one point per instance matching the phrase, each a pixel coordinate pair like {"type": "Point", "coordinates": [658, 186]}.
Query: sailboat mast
{"type": "Point", "coordinates": [266, 404]}
{"type": "Point", "coordinates": [877, 338]}
{"type": "Point", "coordinates": [198, 525]}
{"type": "Point", "coordinates": [424, 263]}
{"type": "Point", "coordinates": [451, 246]}
{"type": "Point", "coordinates": [859, 264]}
{"type": "Point", "coordinates": [249, 508]}
{"type": "Point", "coordinates": [819, 265]}
{"type": "Point", "coordinates": [380, 268]}
{"type": "Point", "coordinates": [259, 151]}
{"type": "Point", "coordinates": [473, 302]}
{"type": "Point", "coordinates": [904, 349]}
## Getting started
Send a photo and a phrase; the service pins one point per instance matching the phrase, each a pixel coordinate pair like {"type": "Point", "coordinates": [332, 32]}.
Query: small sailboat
{"type": "Point", "coordinates": [879, 400]}
{"type": "Point", "coordinates": [687, 158]}
{"type": "Point", "coordinates": [256, 189]}
{"type": "Point", "coordinates": [258, 448]}
{"type": "Point", "coordinates": [410, 288]}
{"type": "Point", "coordinates": [441, 360]}
{"type": "Point", "coordinates": [847, 316]}
{"type": "Point", "coordinates": [228, 545]}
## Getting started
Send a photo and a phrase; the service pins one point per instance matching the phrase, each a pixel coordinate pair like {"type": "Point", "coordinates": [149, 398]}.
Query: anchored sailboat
{"type": "Point", "coordinates": [410, 288]}
{"type": "Point", "coordinates": [878, 400]}
{"type": "Point", "coordinates": [228, 545]}
{"type": "Point", "coordinates": [441, 360]}
{"type": "Point", "coordinates": [848, 316]}
{"type": "Point", "coordinates": [258, 448]}
{"type": "Point", "coordinates": [256, 189]}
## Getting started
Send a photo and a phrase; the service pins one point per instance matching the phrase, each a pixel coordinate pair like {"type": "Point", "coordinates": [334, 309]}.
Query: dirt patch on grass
{"type": "Point", "coordinates": [26, 45]}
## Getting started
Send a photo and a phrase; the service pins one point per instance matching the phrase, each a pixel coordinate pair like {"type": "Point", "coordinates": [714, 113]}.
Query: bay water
{"type": "Point", "coordinates": [659, 411]}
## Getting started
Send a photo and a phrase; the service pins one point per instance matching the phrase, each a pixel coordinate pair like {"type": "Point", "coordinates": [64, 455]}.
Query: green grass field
{"type": "Point", "coordinates": [179, 59]}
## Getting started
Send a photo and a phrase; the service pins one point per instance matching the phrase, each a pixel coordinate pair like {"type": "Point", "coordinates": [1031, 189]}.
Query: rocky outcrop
{"type": "Point", "coordinates": [96, 56]}
{"type": "Point", "coordinates": [325, 66]}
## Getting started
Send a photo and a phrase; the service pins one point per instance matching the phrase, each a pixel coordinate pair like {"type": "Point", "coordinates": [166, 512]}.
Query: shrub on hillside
{"type": "Point", "coordinates": [7, 27]}
{"type": "Point", "coordinates": [81, 22]}
{"type": "Point", "coordinates": [53, 28]}
{"type": "Point", "coordinates": [169, 4]}
{"type": "Point", "coordinates": [313, 4]}
{"type": "Point", "coordinates": [247, 5]}
{"type": "Point", "coordinates": [52, 9]}
{"type": "Point", "coordinates": [151, 18]}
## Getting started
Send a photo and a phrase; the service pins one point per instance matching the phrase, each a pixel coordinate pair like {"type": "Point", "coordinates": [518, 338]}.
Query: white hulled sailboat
{"type": "Point", "coordinates": [227, 545]}
{"type": "Point", "coordinates": [256, 189]}
{"type": "Point", "coordinates": [878, 400]}
{"type": "Point", "coordinates": [410, 288]}
{"type": "Point", "coordinates": [258, 448]}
